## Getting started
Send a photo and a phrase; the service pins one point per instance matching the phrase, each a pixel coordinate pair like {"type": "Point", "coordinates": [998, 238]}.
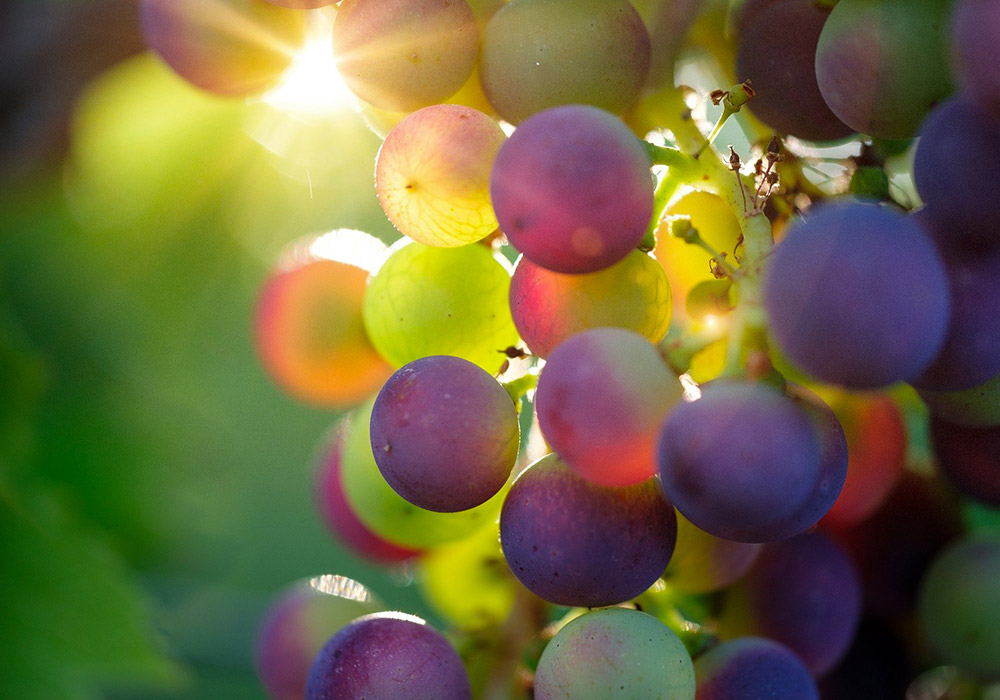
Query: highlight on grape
{"type": "Point", "coordinates": [683, 375]}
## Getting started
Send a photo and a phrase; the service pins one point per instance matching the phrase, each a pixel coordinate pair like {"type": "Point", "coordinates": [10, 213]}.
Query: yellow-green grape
{"type": "Point", "coordinates": [703, 563]}
{"type": "Point", "coordinates": [432, 175]}
{"type": "Point", "coordinates": [687, 264]}
{"type": "Point", "coordinates": [387, 513]}
{"type": "Point", "coordinates": [468, 581]}
{"type": "Point", "coordinates": [440, 301]}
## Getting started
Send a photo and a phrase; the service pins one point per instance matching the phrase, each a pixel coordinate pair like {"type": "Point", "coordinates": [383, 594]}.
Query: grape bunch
{"type": "Point", "coordinates": [647, 417]}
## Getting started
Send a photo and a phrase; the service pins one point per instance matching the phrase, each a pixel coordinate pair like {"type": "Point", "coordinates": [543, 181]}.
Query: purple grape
{"type": "Point", "coordinates": [752, 667]}
{"type": "Point", "coordinates": [572, 189]}
{"type": "Point", "coordinates": [857, 295]}
{"type": "Point", "coordinates": [298, 624]}
{"type": "Point", "coordinates": [970, 355]}
{"type": "Point", "coordinates": [969, 458]}
{"type": "Point", "coordinates": [881, 65]}
{"type": "Point", "coordinates": [387, 656]}
{"type": "Point", "coordinates": [803, 592]}
{"type": "Point", "coordinates": [739, 461]}
{"type": "Point", "coordinates": [830, 476]}
{"type": "Point", "coordinates": [444, 434]}
{"type": "Point", "coordinates": [974, 38]}
{"type": "Point", "coordinates": [777, 52]}
{"type": "Point", "coordinates": [572, 542]}
{"type": "Point", "coordinates": [955, 170]}
{"type": "Point", "coordinates": [601, 399]}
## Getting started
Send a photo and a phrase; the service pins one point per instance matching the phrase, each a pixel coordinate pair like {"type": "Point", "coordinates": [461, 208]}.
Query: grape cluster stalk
{"type": "Point", "coordinates": [647, 417]}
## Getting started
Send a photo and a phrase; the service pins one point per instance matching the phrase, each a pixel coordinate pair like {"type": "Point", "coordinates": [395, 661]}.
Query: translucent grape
{"type": "Point", "coordinates": [308, 325]}
{"type": "Point", "coordinates": [739, 461]}
{"type": "Point", "coordinates": [804, 593]}
{"type": "Point", "coordinates": [303, 4]}
{"type": "Point", "coordinates": [444, 433]}
{"type": "Point", "coordinates": [975, 407]}
{"type": "Point", "coordinates": [572, 189]}
{"type": "Point", "coordinates": [405, 54]}
{"type": "Point", "coordinates": [538, 54]}
{"type": "Point", "coordinates": [615, 653]}
{"type": "Point", "coordinates": [229, 47]}
{"type": "Point", "coordinates": [387, 513]}
{"type": "Point", "coordinates": [298, 623]}
{"type": "Point", "coordinates": [432, 175]}
{"type": "Point", "coordinates": [440, 301]}
{"type": "Point", "coordinates": [857, 295]}
{"type": "Point", "coordinates": [703, 563]}
{"type": "Point", "coordinates": [388, 656]}
{"type": "Point", "coordinates": [572, 542]}
{"type": "Point", "coordinates": [340, 517]}
{"type": "Point", "coordinates": [548, 307]}
{"type": "Point", "coordinates": [960, 605]}
{"type": "Point", "coordinates": [882, 64]}
{"type": "Point", "coordinates": [600, 401]}
{"type": "Point", "coordinates": [753, 667]}
{"type": "Point", "coordinates": [777, 52]}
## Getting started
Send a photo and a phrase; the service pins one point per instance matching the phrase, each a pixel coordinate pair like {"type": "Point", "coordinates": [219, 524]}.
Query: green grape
{"type": "Point", "coordinates": [703, 563]}
{"type": "Point", "coordinates": [385, 512]}
{"type": "Point", "coordinates": [440, 301]}
{"type": "Point", "coordinates": [538, 54]}
{"type": "Point", "coordinates": [615, 653]}
{"type": "Point", "coordinates": [978, 407]}
{"type": "Point", "coordinates": [960, 605]}
{"type": "Point", "coordinates": [468, 581]}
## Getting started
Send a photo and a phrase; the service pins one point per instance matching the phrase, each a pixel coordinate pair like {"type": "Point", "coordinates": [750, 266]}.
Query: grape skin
{"type": "Point", "coordinates": [432, 175]}
{"type": "Point", "coordinates": [615, 653]}
{"type": "Point", "coordinates": [402, 55]}
{"type": "Point", "coordinates": [538, 54]}
{"type": "Point", "coordinates": [777, 52]}
{"type": "Point", "coordinates": [856, 295]}
{"type": "Point", "coordinates": [388, 656]}
{"type": "Point", "coordinates": [704, 563]}
{"type": "Point", "coordinates": [975, 407]}
{"type": "Point", "coordinates": [975, 35]}
{"type": "Point", "coordinates": [233, 48]}
{"type": "Point", "coordinates": [753, 667]}
{"type": "Point", "coordinates": [549, 307]}
{"type": "Point", "coordinates": [739, 461]}
{"type": "Point", "coordinates": [572, 189]}
{"type": "Point", "coordinates": [571, 542]}
{"type": "Point", "coordinates": [969, 458]}
{"type": "Point", "coordinates": [444, 434]}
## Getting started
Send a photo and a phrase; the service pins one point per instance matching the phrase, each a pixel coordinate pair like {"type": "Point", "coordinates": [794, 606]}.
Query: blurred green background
{"type": "Point", "coordinates": [155, 487]}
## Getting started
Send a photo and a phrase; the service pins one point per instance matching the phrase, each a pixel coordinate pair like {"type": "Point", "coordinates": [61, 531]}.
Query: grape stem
{"type": "Point", "coordinates": [517, 388]}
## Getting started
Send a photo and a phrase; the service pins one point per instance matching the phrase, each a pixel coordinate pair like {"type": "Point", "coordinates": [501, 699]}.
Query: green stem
{"type": "Point", "coordinates": [517, 388]}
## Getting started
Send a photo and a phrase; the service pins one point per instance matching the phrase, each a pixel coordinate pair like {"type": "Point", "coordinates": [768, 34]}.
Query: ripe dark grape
{"type": "Point", "coordinates": [572, 542]}
{"type": "Point", "coordinates": [548, 307]}
{"type": "Point", "coordinates": [969, 458]}
{"type": "Point", "coordinates": [857, 295]}
{"type": "Point", "coordinates": [444, 433]}
{"type": "Point", "coordinates": [704, 563]}
{"type": "Point", "coordinates": [615, 653]}
{"type": "Point", "coordinates": [882, 65]}
{"type": "Point", "coordinates": [601, 398]}
{"type": "Point", "coordinates": [739, 461]}
{"type": "Point", "coordinates": [432, 175]}
{"type": "Point", "coordinates": [297, 625]}
{"type": "Point", "coordinates": [960, 605]}
{"type": "Point", "coordinates": [572, 189]}
{"type": "Point", "coordinates": [777, 52]}
{"type": "Point", "coordinates": [955, 169]}
{"type": "Point", "coordinates": [338, 515]}
{"type": "Point", "coordinates": [229, 47]}
{"type": "Point", "coordinates": [308, 326]}
{"type": "Point", "coordinates": [538, 54]}
{"type": "Point", "coordinates": [405, 54]}
{"type": "Point", "coordinates": [974, 38]}
{"type": "Point", "coordinates": [387, 656]}
{"type": "Point", "coordinates": [753, 667]}
{"type": "Point", "coordinates": [803, 592]}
